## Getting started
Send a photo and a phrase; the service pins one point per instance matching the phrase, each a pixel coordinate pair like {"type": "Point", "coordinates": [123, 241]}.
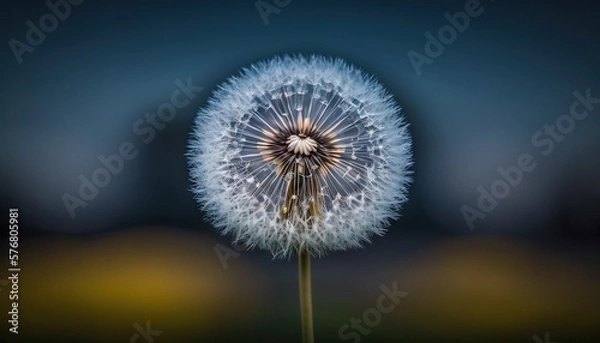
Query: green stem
{"type": "Point", "coordinates": [305, 297]}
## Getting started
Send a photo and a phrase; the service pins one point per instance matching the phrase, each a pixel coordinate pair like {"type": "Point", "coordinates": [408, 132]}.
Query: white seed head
{"type": "Point", "coordinates": [301, 145]}
{"type": "Point", "coordinates": [301, 153]}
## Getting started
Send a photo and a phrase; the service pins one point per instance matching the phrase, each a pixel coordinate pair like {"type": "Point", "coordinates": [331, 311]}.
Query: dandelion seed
{"type": "Point", "coordinates": [314, 135]}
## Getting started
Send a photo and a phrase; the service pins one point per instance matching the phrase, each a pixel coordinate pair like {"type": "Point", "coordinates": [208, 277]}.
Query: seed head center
{"type": "Point", "coordinates": [301, 144]}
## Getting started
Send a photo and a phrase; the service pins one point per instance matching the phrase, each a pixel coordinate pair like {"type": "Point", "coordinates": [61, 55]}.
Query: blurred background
{"type": "Point", "coordinates": [111, 263]}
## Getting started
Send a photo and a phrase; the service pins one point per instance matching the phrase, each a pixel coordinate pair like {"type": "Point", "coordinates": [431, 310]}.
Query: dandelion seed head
{"type": "Point", "coordinates": [301, 153]}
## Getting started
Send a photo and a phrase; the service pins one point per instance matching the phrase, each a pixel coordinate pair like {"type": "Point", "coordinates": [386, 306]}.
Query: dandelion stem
{"type": "Point", "coordinates": [305, 297]}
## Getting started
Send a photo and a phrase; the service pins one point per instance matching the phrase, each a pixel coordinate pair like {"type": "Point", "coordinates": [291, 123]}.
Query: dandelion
{"type": "Point", "coordinates": [301, 155]}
